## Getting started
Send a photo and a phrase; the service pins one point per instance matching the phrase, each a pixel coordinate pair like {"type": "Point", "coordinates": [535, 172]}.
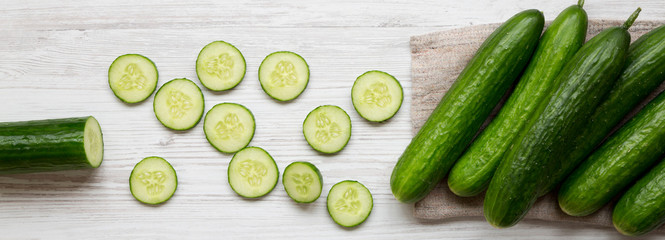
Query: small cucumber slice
{"type": "Point", "coordinates": [327, 129]}
{"type": "Point", "coordinates": [349, 203]}
{"type": "Point", "coordinates": [133, 77]}
{"type": "Point", "coordinates": [376, 96]}
{"type": "Point", "coordinates": [283, 75]}
{"type": "Point", "coordinates": [153, 180]}
{"type": "Point", "coordinates": [229, 127]}
{"type": "Point", "coordinates": [220, 66]}
{"type": "Point", "coordinates": [179, 104]}
{"type": "Point", "coordinates": [302, 182]}
{"type": "Point", "coordinates": [252, 172]}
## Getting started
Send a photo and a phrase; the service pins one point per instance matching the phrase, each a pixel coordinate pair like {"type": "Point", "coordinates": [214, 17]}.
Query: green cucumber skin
{"type": "Point", "coordinates": [642, 74]}
{"type": "Point", "coordinates": [585, 80]}
{"type": "Point", "coordinates": [618, 162]}
{"type": "Point", "coordinates": [42, 145]}
{"type": "Point", "coordinates": [452, 125]}
{"type": "Point", "coordinates": [474, 170]}
{"type": "Point", "coordinates": [642, 208]}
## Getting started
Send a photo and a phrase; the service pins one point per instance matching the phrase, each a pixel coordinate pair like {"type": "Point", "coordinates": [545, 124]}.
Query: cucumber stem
{"type": "Point", "coordinates": [580, 3]}
{"type": "Point", "coordinates": [631, 19]}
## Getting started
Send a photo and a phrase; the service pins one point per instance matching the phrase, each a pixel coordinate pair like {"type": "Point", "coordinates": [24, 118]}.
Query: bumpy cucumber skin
{"type": "Point", "coordinates": [228, 175]}
{"type": "Point", "coordinates": [250, 138]}
{"type": "Point", "coordinates": [401, 99]}
{"type": "Point", "coordinates": [43, 145]}
{"type": "Point", "coordinates": [318, 174]}
{"type": "Point", "coordinates": [154, 105]}
{"type": "Point", "coordinates": [618, 162]}
{"type": "Point", "coordinates": [154, 203]}
{"type": "Point", "coordinates": [153, 89]}
{"type": "Point", "coordinates": [642, 208]}
{"type": "Point", "coordinates": [243, 61]}
{"type": "Point", "coordinates": [318, 149]}
{"type": "Point", "coordinates": [371, 207]}
{"type": "Point", "coordinates": [462, 110]}
{"type": "Point", "coordinates": [523, 171]}
{"type": "Point", "coordinates": [303, 89]}
{"type": "Point", "coordinates": [643, 72]}
{"type": "Point", "coordinates": [474, 170]}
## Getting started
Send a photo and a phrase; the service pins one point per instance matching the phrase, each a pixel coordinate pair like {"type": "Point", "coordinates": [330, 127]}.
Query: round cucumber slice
{"type": "Point", "coordinates": [327, 129]}
{"type": "Point", "coordinates": [349, 203]}
{"type": "Point", "coordinates": [220, 66]}
{"type": "Point", "coordinates": [133, 77]}
{"type": "Point", "coordinates": [179, 104]}
{"type": "Point", "coordinates": [153, 180]}
{"type": "Point", "coordinates": [302, 182]}
{"type": "Point", "coordinates": [229, 127]}
{"type": "Point", "coordinates": [283, 75]}
{"type": "Point", "coordinates": [376, 96]}
{"type": "Point", "coordinates": [93, 143]}
{"type": "Point", "coordinates": [252, 172]}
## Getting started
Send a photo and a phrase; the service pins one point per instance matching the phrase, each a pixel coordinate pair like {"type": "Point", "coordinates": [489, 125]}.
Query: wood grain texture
{"type": "Point", "coordinates": [55, 58]}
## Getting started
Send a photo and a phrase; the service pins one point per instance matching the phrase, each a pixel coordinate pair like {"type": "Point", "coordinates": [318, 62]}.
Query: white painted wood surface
{"type": "Point", "coordinates": [54, 57]}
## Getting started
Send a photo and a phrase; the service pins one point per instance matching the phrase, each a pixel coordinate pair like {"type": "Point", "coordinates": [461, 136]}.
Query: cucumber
{"type": "Point", "coordinates": [302, 182]}
{"type": "Point", "coordinates": [626, 155]}
{"type": "Point", "coordinates": [153, 180]}
{"type": "Point", "coordinates": [178, 104]}
{"type": "Point", "coordinates": [220, 66]}
{"type": "Point", "coordinates": [133, 77]}
{"type": "Point", "coordinates": [642, 74]}
{"type": "Point", "coordinates": [50, 145]}
{"type": "Point", "coordinates": [462, 110]}
{"type": "Point", "coordinates": [327, 129]}
{"type": "Point", "coordinates": [642, 208]}
{"type": "Point", "coordinates": [376, 96]}
{"type": "Point", "coordinates": [229, 127]}
{"type": "Point", "coordinates": [524, 170]}
{"type": "Point", "coordinates": [349, 203]}
{"type": "Point", "coordinates": [474, 170]}
{"type": "Point", "coordinates": [283, 75]}
{"type": "Point", "coordinates": [252, 172]}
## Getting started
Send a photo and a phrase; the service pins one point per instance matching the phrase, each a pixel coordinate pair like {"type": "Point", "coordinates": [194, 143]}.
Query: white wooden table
{"type": "Point", "coordinates": [54, 58]}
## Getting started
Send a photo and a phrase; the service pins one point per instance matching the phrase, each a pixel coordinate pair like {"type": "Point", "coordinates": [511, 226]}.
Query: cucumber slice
{"type": "Point", "coordinates": [229, 127]}
{"type": "Point", "coordinates": [133, 77]}
{"type": "Point", "coordinates": [349, 203]}
{"type": "Point", "coordinates": [302, 182]}
{"type": "Point", "coordinates": [376, 96]}
{"type": "Point", "coordinates": [220, 66]}
{"type": "Point", "coordinates": [153, 180]}
{"type": "Point", "coordinates": [327, 129]}
{"type": "Point", "coordinates": [179, 104]}
{"type": "Point", "coordinates": [252, 172]}
{"type": "Point", "coordinates": [283, 75]}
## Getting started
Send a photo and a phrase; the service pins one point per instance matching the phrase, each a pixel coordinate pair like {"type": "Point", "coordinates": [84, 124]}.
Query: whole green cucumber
{"type": "Point", "coordinates": [50, 145]}
{"type": "Point", "coordinates": [585, 80]}
{"type": "Point", "coordinates": [625, 156]}
{"type": "Point", "coordinates": [462, 110]}
{"type": "Point", "coordinates": [641, 75]}
{"type": "Point", "coordinates": [642, 208]}
{"type": "Point", "coordinates": [474, 170]}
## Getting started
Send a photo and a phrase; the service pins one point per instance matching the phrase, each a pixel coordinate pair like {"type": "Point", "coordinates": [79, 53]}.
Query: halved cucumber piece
{"type": "Point", "coordinates": [179, 104]}
{"type": "Point", "coordinates": [252, 172]}
{"type": "Point", "coordinates": [283, 75]}
{"type": "Point", "coordinates": [376, 96]}
{"type": "Point", "coordinates": [327, 129]}
{"type": "Point", "coordinates": [349, 203]}
{"type": "Point", "coordinates": [133, 77]}
{"type": "Point", "coordinates": [220, 66]}
{"type": "Point", "coordinates": [229, 127]}
{"type": "Point", "coordinates": [302, 182]}
{"type": "Point", "coordinates": [153, 180]}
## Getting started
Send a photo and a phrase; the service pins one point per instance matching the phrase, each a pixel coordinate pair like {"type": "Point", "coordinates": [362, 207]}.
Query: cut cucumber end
{"type": "Point", "coordinates": [376, 96]}
{"type": "Point", "coordinates": [349, 203]}
{"type": "Point", "coordinates": [327, 129]}
{"type": "Point", "coordinates": [93, 142]}
{"type": "Point", "coordinates": [283, 75]}
{"type": "Point", "coordinates": [229, 127]}
{"type": "Point", "coordinates": [179, 104]}
{"type": "Point", "coordinates": [220, 66]}
{"type": "Point", "coordinates": [303, 182]}
{"type": "Point", "coordinates": [133, 77]}
{"type": "Point", "coordinates": [252, 172]}
{"type": "Point", "coordinates": [153, 180]}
